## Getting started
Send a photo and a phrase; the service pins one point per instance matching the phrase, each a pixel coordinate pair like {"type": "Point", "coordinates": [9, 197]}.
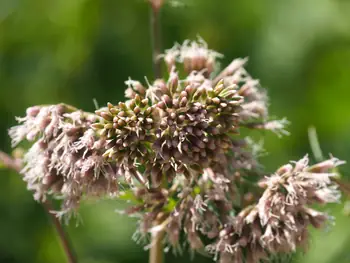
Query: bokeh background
{"type": "Point", "coordinates": [75, 50]}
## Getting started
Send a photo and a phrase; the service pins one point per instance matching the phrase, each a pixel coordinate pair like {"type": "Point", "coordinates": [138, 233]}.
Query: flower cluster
{"type": "Point", "coordinates": [177, 146]}
{"type": "Point", "coordinates": [128, 129]}
{"type": "Point", "coordinates": [182, 126]}
{"type": "Point", "coordinates": [65, 159]}
{"type": "Point", "coordinates": [179, 138]}
{"type": "Point", "coordinates": [279, 222]}
{"type": "Point", "coordinates": [193, 55]}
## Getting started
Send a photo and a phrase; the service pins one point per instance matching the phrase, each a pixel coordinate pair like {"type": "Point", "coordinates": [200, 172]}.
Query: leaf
{"type": "Point", "coordinates": [171, 205]}
{"type": "Point", "coordinates": [129, 196]}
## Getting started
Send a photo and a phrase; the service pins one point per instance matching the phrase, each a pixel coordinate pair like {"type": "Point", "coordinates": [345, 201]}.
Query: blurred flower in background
{"type": "Point", "coordinates": [74, 51]}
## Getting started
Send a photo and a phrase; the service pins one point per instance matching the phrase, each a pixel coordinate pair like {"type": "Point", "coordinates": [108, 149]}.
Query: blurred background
{"type": "Point", "coordinates": [76, 50]}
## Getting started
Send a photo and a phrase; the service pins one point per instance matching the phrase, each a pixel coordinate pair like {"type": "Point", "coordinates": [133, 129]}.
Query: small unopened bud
{"type": "Point", "coordinates": [284, 169]}
{"type": "Point", "coordinates": [181, 118]}
{"type": "Point", "coordinates": [173, 82]}
{"type": "Point", "coordinates": [33, 111]}
{"type": "Point", "coordinates": [183, 94]}
{"type": "Point", "coordinates": [167, 100]}
{"type": "Point", "coordinates": [107, 116]}
{"type": "Point", "coordinates": [161, 105]}
{"type": "Point", "coordinates": [121, 122]}
{"type": "Point", "coordinates": [31, 135]}
{"type": "Point", "coordinates": [109, 105]}
{"type": "Point", "coordinates": [189, 89]}
{"type": "Point", "coordinates": [216, 100]}
{"type": "Point", "coordinates": [137, 110]}
{"type": "Point", "coordinates": [325, 165]}
{"type": "Point", "coordinates": [183, 102]}
{"type": "Point", "coordinates": [219, 87]}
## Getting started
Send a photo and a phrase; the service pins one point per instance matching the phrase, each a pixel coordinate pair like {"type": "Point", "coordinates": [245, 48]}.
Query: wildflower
{"type": "Point", "coordinates": [134, 88]}
{"type": "Point", "coordinates": [64, 160]}
{"type": "Point", "coordinates": [129, 129]}
{"type": "Point", "coordinates": [279, 222]}
{"type": "Point", "coordinates": [177, 147]}
{"type": "Point", "coordinates": [194, 55]}
{"type": "Point", "coordinates": [177, 144]}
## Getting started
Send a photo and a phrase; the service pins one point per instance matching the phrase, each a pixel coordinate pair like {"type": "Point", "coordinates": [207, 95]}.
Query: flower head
{"type": "Point", "coordinates": [279, 222]}
{"type": "Point", "coordinates": [193, 55]}
{"type": "Point", "coordinates": [65, 160]}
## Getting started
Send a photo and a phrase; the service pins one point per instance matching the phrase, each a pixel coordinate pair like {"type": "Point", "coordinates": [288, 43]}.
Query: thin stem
{"type": "Point", "coordinates": [15, 164]}
{"type": "Point", "coordinates": [155, 39]}
{"type": "Point", "coordinates": [63, 236]}
{"type": "Point", "coordinates": [156, 251]}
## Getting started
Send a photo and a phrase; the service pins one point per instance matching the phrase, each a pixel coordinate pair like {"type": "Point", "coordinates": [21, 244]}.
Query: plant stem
{"type": "Point", "coordinates": [155, 39]}
{"type": "Point", "coordinates": [16, 165]}
{"type": "Point", "coordinates": [63, 236]}
{"type": "Point", "coordinates": [156, 251]}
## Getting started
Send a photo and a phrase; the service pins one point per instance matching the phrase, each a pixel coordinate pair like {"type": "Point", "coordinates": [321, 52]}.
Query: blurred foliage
{"type": "Point", "coordinates": [77, 50]}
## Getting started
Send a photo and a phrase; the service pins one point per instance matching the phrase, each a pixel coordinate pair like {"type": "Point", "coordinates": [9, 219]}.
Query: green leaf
{"type": "Point", "coordinates": [171, 205]}
{"type": "Point", "coordinates": [128, 195]}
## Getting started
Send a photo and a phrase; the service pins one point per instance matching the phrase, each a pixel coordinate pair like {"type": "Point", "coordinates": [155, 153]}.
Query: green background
{"type": "Point", "coordinates": [75, 50]}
